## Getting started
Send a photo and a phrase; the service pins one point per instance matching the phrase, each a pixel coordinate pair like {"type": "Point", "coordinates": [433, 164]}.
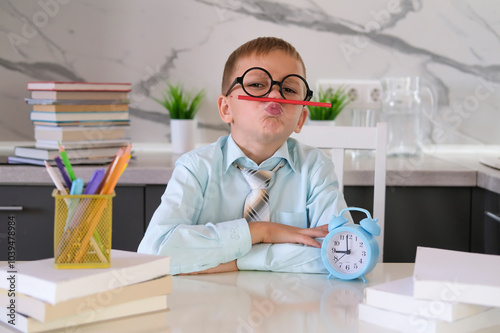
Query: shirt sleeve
{"type": "Point", "coordinates": [173, 230]}
{"type": "Point", "coordinates": [293, 258]}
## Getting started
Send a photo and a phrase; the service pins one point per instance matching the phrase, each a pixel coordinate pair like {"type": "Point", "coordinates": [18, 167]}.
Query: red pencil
{"type": "Point", "coordinates": [285, 101]}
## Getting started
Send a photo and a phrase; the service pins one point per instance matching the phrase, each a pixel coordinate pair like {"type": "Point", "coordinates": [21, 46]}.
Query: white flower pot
{"type": "Point", "coordinates": [183, 135]}
{"type": "Point", "coordinates": [321, 122]}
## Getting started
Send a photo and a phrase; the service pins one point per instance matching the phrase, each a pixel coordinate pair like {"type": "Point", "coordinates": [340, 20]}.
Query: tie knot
{"type": "Point", "coordinates": [258, 179]}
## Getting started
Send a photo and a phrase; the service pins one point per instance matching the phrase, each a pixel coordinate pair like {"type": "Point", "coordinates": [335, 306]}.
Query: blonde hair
{"type": "Point", "coordinates": [257, 46]}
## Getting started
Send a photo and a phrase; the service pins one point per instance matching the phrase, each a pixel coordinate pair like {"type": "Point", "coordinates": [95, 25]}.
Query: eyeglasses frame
{"type": "Point", "coordinates": [239, 79]}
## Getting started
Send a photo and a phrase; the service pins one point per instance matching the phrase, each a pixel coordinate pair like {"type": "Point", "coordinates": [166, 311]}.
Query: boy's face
{"type": "Point", "coordinates": [263, 122]}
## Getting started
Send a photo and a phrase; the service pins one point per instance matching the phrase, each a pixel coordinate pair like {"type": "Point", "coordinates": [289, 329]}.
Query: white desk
{"type": "Point", "coordinates": [271, 302]}
{"type": "Point", "coordinates": [257, 302]}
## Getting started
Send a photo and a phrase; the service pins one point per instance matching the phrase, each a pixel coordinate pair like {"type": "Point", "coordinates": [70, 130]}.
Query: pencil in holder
{"type": "Point", "coordinates": [82, 230]}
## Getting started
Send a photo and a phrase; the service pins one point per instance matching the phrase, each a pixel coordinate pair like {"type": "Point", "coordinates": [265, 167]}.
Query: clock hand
{"type": "Point", "coordinates": [347, 251]}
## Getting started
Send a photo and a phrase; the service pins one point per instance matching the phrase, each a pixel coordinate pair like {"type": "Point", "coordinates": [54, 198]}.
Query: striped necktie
{"type": "Point", "coordinates": [257, 201]}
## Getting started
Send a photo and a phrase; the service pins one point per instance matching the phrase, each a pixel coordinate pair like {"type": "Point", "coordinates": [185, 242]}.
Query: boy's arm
{"type": "Point", "coordinates": [173, 230]}
{"type": "Point", "coordinates": [269, 232]}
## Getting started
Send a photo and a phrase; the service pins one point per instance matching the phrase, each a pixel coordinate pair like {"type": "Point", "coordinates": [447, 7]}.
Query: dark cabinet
{"type": "Point", "coordinates": [31, 210]}
{"type": "Point", "coordinates": [128, 217]}
{"type": "Point", "coordinates": [153, 198]}
{"type": "Point", "coordinates": [485, 224]}
{"type": "Point", "coordinates": [420, 216]}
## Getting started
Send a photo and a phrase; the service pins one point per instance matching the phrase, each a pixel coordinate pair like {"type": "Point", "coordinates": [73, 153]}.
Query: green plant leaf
{"type": "Point", "coordinates": [180, 104]}
{"type": "Point", "coordinates": [338, 100]}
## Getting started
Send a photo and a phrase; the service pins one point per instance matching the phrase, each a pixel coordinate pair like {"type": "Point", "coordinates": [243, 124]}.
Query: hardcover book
{"type": "Point", "coordinates": [50, 154]}
{"type": "Point", "coordinates": [78, 116]}
{"type": "Point", "coordinates": [80, 133]}
{"type": "Point", "coordinates": [101, 123]}
{"type": "Point", "coordinates": [146, 322]}
{"type": "Point", "coordinates": [78, 86]}
{"type": "Point", "coordinates": [89, 144]}
{"type": "Point", "coordinates": [42, 311]}
{"type": "Point", "coordinates": [71, 323]}
{"type": "Point", "coordinates": [32, 101]}
{"type": "Point", "coordinates": [40, 279]}
{"type": "Point", "coordinates": [397, 296]}
{"type": "Point", "coordinates": [457, 276]}
{"type": "Point", "coordinates": [74, 161]}
{"type": "Point", "coordinates": [93, 95]}
{"type": "Point", "coordinates": [80, 108]}
{"type": "Point", "coordinates": [406, 323]}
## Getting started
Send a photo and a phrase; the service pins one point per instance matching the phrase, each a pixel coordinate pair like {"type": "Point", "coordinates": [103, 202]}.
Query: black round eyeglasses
{"type": "Point", "coordinates": [258, 82]}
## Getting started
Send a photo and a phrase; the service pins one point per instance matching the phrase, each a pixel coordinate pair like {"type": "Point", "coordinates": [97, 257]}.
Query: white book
{"type": "Point", "coordinates": [80, 133]}
{"type": "Point", "coordinates": [397, 296]}
{"type": "Point", "coordinates": [71, 324]}
{"type": "Point", "coordinates": [75, 161]}
{"type": "Point", "coordinates": [145, 322]}
{"type": "Point", "coordinates": [78, 116]}
{"type": "Point", "coordinates": [454, 276]}
{"type": "Point", "coordinates": [406, 323]}
{"type": "Point", "coordinates": [79, 86]}
{"type": "Point", "coordinates": [40, 279]}
{"type": "Point", "coordinates": [89, 144]}
{"type": "Point", "coordinates": [42, 311]}
{"type": "Point", "coordinates": [93, 95]}
{"type": "Point", "coordinates": [50, 154]}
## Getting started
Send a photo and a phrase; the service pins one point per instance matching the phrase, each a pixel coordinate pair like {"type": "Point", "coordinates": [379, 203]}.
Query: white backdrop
{"type": "Point", "coordinates": [452, 45]}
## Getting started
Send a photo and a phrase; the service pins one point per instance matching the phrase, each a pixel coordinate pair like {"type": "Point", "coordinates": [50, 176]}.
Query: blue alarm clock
{"type": "Point", "coordinates": [351, 251]}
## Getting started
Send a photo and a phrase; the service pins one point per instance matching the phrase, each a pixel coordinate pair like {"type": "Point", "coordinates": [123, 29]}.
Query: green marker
{"type": "Point", "coordinates": [66, 162]}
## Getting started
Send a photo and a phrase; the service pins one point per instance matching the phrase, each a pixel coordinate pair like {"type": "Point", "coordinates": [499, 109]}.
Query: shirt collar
{"type": "Point", "coordinates": [233, 153]}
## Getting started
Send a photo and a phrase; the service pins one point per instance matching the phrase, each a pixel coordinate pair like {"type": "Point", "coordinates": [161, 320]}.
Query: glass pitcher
{"type": "Point", "coordinates": [402, 110]}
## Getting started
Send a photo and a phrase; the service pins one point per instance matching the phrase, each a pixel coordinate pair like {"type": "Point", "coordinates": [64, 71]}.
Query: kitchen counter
{"type": "Point", "coordinates": [457, 166]}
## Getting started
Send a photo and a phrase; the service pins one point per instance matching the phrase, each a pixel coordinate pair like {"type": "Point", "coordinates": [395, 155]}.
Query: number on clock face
{"type": "Point", "coordinates": [346, 252]}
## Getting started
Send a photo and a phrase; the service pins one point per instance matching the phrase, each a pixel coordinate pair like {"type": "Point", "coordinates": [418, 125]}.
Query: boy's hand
{"type": "Point", "coordinates": [222, 268]}
{"type": "Point", "coordinates": [269, 232]}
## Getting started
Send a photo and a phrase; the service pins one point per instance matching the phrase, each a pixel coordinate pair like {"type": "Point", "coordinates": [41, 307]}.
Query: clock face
{"type": "Point", "coordinates": [347, 253]}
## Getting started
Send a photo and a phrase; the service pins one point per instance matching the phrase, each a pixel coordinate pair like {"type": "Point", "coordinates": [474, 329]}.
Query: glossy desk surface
{"type": "Point", "coordinates": [250, 301]}
{"type": "Point", "coordinates": [275, 302]}
{"type": "Point", "coordinates": [257, 302]}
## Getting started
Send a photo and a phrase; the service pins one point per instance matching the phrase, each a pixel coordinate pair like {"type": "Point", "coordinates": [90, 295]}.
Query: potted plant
{"type": "Point", "coordinates": [182, 107]}
{"type": "Point", "coordinates": [338, 100]}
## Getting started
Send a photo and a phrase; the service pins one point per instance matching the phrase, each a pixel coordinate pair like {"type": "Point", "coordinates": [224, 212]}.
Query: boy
{"type": "Point", "coordinates": [204, 222]}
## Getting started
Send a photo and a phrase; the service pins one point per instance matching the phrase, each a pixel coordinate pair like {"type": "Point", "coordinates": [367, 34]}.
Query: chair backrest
{"type": "Point", "coordinates": [340, 138]}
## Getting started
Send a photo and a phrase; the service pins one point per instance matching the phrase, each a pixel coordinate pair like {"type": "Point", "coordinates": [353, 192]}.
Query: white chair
{"type": "Point", "coordinates": [340, 138]}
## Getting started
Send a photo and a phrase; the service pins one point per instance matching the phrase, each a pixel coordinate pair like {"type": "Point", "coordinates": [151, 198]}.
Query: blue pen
{"type": "Point", "coordinates": [60, 166]}
{"type": "Point", "coordinates": [76, 189]}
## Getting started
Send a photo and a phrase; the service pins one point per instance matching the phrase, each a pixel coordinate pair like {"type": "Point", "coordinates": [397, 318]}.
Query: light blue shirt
{"type": "Point", "coordinates": [200, 223]}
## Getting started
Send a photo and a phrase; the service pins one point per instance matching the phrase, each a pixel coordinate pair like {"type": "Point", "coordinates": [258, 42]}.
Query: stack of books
{"type": "Point", "coordinates": [450, 291]}
{"type": "Point", "coordinates": [89, 119]}
{"type": "Point", "coordinates": [36, 297]}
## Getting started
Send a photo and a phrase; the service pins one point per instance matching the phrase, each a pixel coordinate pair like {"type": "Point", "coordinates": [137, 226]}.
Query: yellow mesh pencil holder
{"type": "Point", "coordinates": [82, 230]}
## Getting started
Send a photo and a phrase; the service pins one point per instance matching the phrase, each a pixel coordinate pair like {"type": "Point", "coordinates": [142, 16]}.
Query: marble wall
{"type": "Point", "coordinates": [452, 45]}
